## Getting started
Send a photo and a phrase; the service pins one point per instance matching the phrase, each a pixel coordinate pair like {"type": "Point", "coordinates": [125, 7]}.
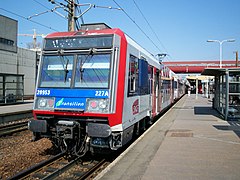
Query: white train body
{"type": "Point", "coordinates": [97, 88]}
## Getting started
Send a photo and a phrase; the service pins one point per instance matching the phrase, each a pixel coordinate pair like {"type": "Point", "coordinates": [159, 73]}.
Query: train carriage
{"type": "Point", "coordinates": [96, 88]}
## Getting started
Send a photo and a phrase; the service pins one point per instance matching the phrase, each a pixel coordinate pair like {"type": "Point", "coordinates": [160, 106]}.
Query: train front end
{"type": "Point", "coordinates": [80, 88]}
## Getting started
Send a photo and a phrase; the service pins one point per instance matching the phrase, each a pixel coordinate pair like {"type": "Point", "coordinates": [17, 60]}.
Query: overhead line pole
{"type": "Point", "coordinates": [71, 15]}
{"type": "Point", "coordinates": [236, 58]}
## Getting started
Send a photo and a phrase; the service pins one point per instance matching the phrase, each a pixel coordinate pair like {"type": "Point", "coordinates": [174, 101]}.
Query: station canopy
{"type": "Point", "coordinates": [199, 77]}
{"type": "Point", "coordinates": [218, 71]}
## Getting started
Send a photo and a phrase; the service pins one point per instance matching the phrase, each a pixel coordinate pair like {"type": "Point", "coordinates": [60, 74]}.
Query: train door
{"type": "Point", "coordinates": [157, 90]}
{"type": "Point", "coordinates": [160, 92]}
{"type": "Point", "coordinates": [154, 91]}
{"type": "Point", "coordinates": [172, 89]}
{"type": "Point", "coordinates": [150, 77]}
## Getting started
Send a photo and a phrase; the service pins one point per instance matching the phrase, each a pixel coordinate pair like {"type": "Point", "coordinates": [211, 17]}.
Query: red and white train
{"type": "Point", "coordinates": [97, 88]}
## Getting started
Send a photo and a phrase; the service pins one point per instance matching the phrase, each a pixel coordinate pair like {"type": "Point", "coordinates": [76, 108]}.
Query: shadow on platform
{"type": "Point", "coordinates": [233, 126]}
{"type": "Point", "coordinates": [203, 110]}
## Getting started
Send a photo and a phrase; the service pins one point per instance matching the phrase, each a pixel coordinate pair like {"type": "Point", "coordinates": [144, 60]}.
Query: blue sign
{"type": "Point", "coordinates": [71, 98]}
{"type": "Point", "coordinates": [70, 103]}
{"type": "Point", "coordinates": [83, 93]}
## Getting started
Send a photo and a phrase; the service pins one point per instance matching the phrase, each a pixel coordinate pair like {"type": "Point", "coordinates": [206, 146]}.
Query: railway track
{"type": "Point", "coordinates": [14, 116]}
{"type": "Point", "coordinates": [59, 167]}
{"type": "Point", "coordinates": [13, 128]}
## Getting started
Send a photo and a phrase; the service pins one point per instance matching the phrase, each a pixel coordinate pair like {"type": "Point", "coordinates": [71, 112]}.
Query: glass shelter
{"type": "Point", "coordinates": [11, 88]}
{"type": "Point", "coordinates": [226, 91]}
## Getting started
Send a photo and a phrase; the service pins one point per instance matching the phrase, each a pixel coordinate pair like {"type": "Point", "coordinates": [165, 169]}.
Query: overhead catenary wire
{"type": "Point", "coordinates": [40, 24]}
{"type": "Point", "coordinates": [58, 5]}
{"type": "Point", "coordinates": [67, 9]}
{"type": "Point", "coordinates": [80, 12]}
{"type": "Point", "coordinates": [41, 4]}
{"type": "Point", "coordinates": [155, 34]}
{"type": "Point", "coordinates": [50, 10]}
{"type": "Point", "coordinates": [137, 26]}
{"type": "Point", "coordinates": [78, 25]}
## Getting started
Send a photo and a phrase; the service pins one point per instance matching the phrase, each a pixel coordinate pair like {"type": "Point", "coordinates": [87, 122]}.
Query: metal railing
{"type": "Point", "coordinates": [11, 88]}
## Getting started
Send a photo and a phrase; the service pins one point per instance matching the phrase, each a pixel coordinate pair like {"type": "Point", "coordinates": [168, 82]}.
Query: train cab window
{"type": "Point", "coordinates": [133, 76]}
{"type": "Point", "coordinates": [93, 71]}
{"type": "Point", "coordinates": [56, 71]}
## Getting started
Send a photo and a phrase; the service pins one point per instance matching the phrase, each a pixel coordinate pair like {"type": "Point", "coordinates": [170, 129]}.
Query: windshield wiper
{"type": "Point", "coordinates": [91, 51]}
{"type": "Point", "coordinates": [66, 71]}
{"type": "Point", "coordinates": [61, 52]}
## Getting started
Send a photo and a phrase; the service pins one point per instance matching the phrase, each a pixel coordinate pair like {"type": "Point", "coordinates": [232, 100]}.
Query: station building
{"type": "Point", "coordinates": [17, 65]}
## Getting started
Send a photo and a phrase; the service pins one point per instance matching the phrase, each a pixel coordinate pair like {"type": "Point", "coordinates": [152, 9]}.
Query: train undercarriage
{"type": "Point", "coordinates": [76, 138]}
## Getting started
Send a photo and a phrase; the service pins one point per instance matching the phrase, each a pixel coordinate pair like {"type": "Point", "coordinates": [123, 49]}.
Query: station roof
{"type": "Point", "coordinates": [219, 71]}
{"type": "Point", "coordinates": [202, 77]}
{"type": "Point", "coordinates": [196, 66]}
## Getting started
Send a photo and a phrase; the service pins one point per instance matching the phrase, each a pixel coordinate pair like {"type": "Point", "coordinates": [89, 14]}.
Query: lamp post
{"type": "Point", "coordinates": [161, 56]}
{"type": "Point", "coordinates": [220, 43]}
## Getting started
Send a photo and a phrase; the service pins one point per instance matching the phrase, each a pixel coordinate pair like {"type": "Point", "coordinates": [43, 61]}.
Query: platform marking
{"type": "Point", "coordinates": [214, 139]}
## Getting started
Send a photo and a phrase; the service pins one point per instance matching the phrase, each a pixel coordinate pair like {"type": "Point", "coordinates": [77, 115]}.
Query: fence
{"type": "Point", "coordinates": [11, 88]}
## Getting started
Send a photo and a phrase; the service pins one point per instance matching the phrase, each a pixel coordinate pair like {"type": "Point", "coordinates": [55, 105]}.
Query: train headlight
{"type": "Point", "coordinates": [97, 105]}
{"type": "Point", "coordinates": [42, 103]}
{"type": "Point", "coordinates": [102, 104]}
{"type": "Point", "coordinates": [45, 103]}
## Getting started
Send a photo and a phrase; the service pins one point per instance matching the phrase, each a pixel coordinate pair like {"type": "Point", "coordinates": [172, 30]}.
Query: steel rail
{"type": "Point", "coordinates": [62, 170]}
{"type": "Point", "coordinates": [37, 169]}
{"type": "Point", "coordinates": [13, 128]}
{"type": "Point", "coordinates": [25, 173]}
{"type": "Point", "coordinates": [92, 169]}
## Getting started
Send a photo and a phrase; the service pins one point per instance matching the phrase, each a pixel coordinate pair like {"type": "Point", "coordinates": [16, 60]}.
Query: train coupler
{"type": "Point", "coordinates": [68, 129]}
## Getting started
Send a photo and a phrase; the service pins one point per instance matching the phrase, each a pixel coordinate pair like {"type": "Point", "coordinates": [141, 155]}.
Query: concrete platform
{"type": "Point", "coordinates": [16, 111]}
{"type": "Point", "coordinates": [189, 142]}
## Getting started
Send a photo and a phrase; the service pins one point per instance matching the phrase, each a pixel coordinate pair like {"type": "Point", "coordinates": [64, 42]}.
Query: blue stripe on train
{"type": "Point", "coordinates": [74, 93]}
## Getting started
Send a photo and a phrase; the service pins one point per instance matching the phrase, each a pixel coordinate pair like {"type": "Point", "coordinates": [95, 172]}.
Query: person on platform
{"type": "Point", "coordinates": [189, 91]}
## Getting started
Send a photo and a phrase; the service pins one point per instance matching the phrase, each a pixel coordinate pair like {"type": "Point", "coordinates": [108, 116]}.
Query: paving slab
{"type": "Point", "coordinates": [190, 141]}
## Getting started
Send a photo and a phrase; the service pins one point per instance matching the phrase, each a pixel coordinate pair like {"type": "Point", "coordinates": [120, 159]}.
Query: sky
{"type": "Point", "coordinates": [179, 28]}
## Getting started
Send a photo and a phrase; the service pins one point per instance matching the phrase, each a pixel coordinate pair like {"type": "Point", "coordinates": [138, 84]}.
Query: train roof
{"type": "Point", "coordinates": [84, 33]}
{"type": "Point", "coordinates": [150, 58]}
{"type": "Point", "coordinates": [88, 29]}
{"type": "Point", "coordinates": [103, 29]}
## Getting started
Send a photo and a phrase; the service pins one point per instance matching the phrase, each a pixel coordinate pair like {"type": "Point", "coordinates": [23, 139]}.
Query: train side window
{"type": "Point", "coordinates": [143, 77]}
{"type": "Point", "coordinates": [133, 76]}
